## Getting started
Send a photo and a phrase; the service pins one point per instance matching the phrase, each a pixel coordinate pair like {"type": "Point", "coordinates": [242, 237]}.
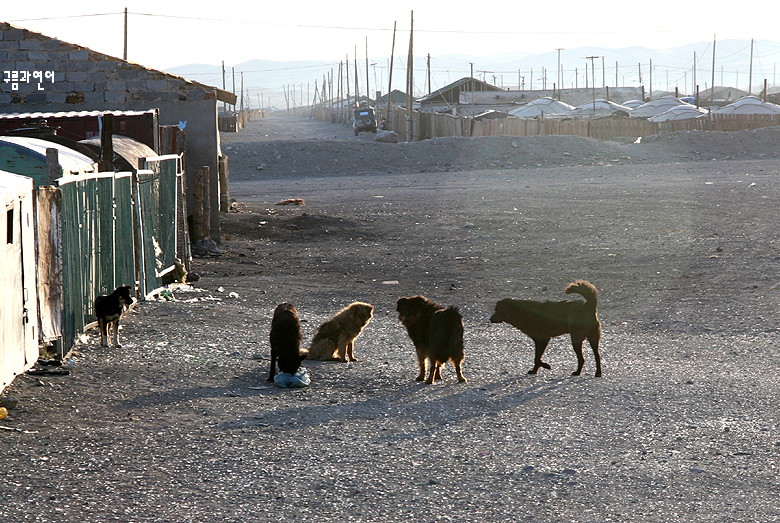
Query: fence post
{"type": "Point", "coordinates": [224, 184]}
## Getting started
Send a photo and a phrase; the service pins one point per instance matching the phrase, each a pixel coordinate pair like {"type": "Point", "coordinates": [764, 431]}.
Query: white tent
{"type": "Point", "coordinates": [679, 112]}
{"type": "Point", "coordinates": [656, 107]}
{"type": "Point", "coordinates": [633, 104]}
{"type": "Point", "coordinates": [599, 107]}
{"type": "Point", "coordinates": [749, 105]}
{"type": "Point", "coordinates": [542, 107]}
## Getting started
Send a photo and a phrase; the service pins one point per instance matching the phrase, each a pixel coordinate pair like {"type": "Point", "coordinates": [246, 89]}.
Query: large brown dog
{"type": "Point", "coordinates": [542, 321]}
{"type": "Point", "coordinates": [335, 339]}
{"type": "Point", "coordinates": [436, 332]}
{"type": "Point", "coordinates": [285, 340]}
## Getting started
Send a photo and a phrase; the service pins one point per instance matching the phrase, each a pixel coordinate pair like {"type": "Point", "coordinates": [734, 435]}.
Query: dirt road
{"type": "Point", "coordinates": [679, 235]}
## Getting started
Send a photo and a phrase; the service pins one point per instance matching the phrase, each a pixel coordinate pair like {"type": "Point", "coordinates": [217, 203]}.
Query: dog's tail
{"type": "Point", "coordinates": [584, 289]}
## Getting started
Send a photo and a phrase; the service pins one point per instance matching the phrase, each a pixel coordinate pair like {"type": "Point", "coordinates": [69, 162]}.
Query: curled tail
{"type": "Point", "coordinates": [584, 289]}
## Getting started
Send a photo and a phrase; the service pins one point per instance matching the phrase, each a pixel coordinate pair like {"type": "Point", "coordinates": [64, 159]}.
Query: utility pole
{"type": "Point", "coordinates": [125, 54]}
{"type": "Point", "coordinates": [224, 104]}
{"type": "Point", "coordinates": [712, 93]}
{"type": "Point", "coordinates": [603, 73]}
{"type": "Point", "coordinates": [410, 83]}
{"type": "Point", "coordinates": [593, 80]}
{"type": "Point", "coordinates": [390, 81]}
{"type": "Point", "coordinates": [357, 90]}
{"type": "Point", "coordinates": [368, 89]}
{"type": "Point", "coordinates": [651, 79]}
{"type": "Point", "coordinates": [429, 73]}
{"type": "Point", "coordinates": [559, 49]}
{"type": "Point", "coordinates": [750, 74]}
{"type": "Point", "coordinates": [233, 74]}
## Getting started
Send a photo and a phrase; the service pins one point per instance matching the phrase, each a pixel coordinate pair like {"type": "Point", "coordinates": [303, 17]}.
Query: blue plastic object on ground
{"type": "Point", "coordinates": [286, 380]}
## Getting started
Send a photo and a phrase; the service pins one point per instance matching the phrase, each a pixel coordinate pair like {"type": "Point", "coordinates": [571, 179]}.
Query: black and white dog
{"type": "Point", "coordinates": [108, 310]}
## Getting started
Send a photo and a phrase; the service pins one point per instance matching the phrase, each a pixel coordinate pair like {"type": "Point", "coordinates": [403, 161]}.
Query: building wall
{"type": "Point", "coordinates": [40, 73]}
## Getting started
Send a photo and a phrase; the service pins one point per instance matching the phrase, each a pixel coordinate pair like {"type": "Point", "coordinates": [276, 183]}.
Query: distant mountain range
{"type": "Point", "coordinates": [277, 84]}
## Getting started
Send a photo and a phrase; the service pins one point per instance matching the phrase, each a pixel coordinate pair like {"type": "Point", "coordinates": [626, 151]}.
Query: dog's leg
{"type": "Point", "coordinates": [103, 332]}
{"type": "Point", "coordinates": [541, 346]}
{"type": "Point", "coordinates": [594, 344]}
{"type": "Point", "coordinates": [459, 371]}
{"type": "Point", "coordinates": [434, 372]}
{"type": "Point", "coordinates": [115, 332]}
{"type": "Point", "coordinates": [341, 348]}
{"type": "Point", "coordinates": [576, 343]}
{"type": "Point", "coordinates": [351, 351]}
{"type": "Point", "coordinates": [272, 372]}
{"type": "Point", "coordinates": [421, 364]}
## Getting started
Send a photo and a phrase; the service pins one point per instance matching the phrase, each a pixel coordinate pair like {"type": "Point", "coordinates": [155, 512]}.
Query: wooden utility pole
{"type": "Point", "coordinates": [224, 104]}
{"type": "Point", "coordinates": [712, 93]}
{"type": "Point", "coordinates": [368, 89]}
{"type": "Point", "coordinates": [357, 90]}
{"type": "Point", "coordinates": [428, 67]}
{"type": "Point", "coordinates": [410, 83]}
{"type": "Point", "coordinates": [346, 67]}
{"type": "Point", "coordinates": [651, 80]}
{"type": "Point", "coordinates": [125, 53]}
{"type": "Point", "coordinates": [233, 74]}
{"type": "Point", "coordinates": [390, 81]}
{"type": "Point", "coordinates": [750, 73]}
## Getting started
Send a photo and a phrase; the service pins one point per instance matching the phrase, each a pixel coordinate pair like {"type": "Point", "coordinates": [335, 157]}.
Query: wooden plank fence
{"type": "Point", "coordinates": [434, 125]}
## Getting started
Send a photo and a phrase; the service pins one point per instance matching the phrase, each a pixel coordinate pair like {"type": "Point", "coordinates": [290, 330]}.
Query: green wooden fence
{"type": "Point", "coordinates": [117, 229]}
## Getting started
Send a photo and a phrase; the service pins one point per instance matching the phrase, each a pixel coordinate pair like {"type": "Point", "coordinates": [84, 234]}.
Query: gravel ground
{"type": "Point", "coordinates": [678, 233]}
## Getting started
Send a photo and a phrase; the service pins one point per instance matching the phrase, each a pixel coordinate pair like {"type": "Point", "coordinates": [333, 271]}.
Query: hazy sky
{"type": "Point", "coordinates": [166, 34]}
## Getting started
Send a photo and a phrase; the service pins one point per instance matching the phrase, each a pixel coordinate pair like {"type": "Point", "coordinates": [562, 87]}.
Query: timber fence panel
{"type": "Point", "coordinates": [147, 202]}
{"type": "Point", "coordinates": [124, 258]}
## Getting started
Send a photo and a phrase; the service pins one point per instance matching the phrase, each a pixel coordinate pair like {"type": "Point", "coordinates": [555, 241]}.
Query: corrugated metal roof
{"type": "Point", "coordinates": [71, 114]}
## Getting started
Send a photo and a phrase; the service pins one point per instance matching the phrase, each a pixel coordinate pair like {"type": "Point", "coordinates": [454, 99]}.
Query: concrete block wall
{"type": "Point", "coordinates": [78, 77]}
{"type": "Point", "coordinates": [84, 80]}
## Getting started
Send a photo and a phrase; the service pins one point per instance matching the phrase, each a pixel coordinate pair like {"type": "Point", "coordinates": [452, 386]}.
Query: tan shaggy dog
{"type": "Point", "coordinates": [543, 320]}
{"type": "Point", "coordinates": [335, 339]}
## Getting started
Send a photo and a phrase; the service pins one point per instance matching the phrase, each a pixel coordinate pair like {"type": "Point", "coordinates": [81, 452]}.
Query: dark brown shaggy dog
{"type": "Point", "coordinates": [285, 340]}
{"type": "Point", "coordinates": [108, 310]}
{"type": "Point", "coordinates": [542, 321]}
{"type": "Point", "coordinates": [436, 332]}
{"type": "Point", "coordinates": [335, 339]}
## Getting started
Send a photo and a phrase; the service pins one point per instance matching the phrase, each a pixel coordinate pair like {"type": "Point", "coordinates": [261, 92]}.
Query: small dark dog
{"type": "Point", "coordinates": [335, 339]}
{"type": "Point", "coordinates": [437, 335]}
{"type": "Point", "coordinates": [108, 310]}
{"type": "Point", "coordinates": [542, 321]}
{"type": "Point", "coordinates": [285, 340]}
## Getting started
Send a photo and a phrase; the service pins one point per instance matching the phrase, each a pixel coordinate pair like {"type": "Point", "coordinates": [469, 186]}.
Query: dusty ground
{"type": "Point", "coordinates": [679, 234]}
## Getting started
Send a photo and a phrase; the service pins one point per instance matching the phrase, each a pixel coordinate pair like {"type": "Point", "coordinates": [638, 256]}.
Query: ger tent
{"type": "Point", "coordinates": [541, 107]}
{"type": "Point", "coordinates": [749, 105]}
{"type": "Point", "coordinates": [679, 112]}
{"type": "Point", "coordinates": [599, 107]}
{"type": "Point", "coordinates": [656, 107]}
